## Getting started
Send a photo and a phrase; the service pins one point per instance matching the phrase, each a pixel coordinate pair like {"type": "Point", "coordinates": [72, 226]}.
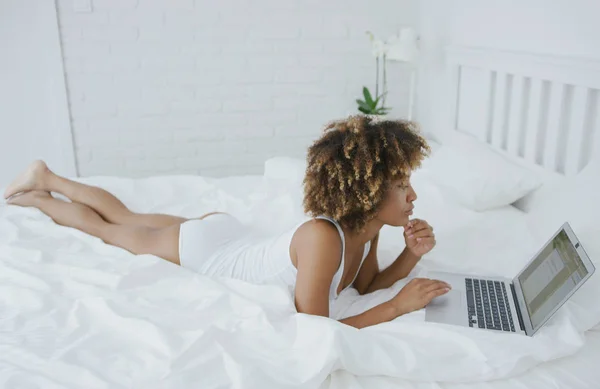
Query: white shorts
{"type": "Point", "coordinates": [200, 240]}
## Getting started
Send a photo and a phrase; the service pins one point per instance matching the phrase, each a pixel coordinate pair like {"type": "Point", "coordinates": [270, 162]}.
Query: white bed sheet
{"type": "Point", "coordinates": [76, 312]}
{"type": "Point", "coordinates": [577, 371]}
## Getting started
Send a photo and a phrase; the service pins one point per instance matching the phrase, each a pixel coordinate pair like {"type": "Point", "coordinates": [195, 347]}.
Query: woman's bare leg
{"type": "Point", "coordinates": [39, 177]}
{"type": "Point", "coordinates": [162, 242]}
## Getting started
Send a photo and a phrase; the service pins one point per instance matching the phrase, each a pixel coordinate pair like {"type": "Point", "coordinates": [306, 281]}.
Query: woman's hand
{"type": "Point", "coordinates": [419, 237]}
{"type": "Point", "coordinates": [417, 294]}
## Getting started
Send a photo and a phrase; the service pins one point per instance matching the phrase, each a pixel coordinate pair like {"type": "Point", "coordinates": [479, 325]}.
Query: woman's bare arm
{"type": "Point", "coordinates": [398, 270]}
{"type": "Point", "coordinates": [378, 314]}
{"type": "Point", "coordinates": [318, 256]}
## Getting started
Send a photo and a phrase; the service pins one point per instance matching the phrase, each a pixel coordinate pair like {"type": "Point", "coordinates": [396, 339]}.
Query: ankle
{"type": "Point", "coordinates": [48, 182]}
{"type": "Point", "coordinates": [39, 197]}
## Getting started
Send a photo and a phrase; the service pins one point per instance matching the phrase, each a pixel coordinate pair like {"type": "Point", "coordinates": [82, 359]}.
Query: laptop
{"type": "Point", "coordinates": [521, 305]}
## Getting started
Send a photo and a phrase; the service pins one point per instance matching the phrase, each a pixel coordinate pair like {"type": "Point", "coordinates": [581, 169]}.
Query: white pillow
{"type": "Point", "coordinates": [293, 169]}
{"type": "Point", "coordinates": [288, 173]}
{"type": "Point", "coordinates": [478, 177]}
{"type": "Point", "coordinates": [574, 200]}
{"type": "Point", "coordinates": [285, 168]}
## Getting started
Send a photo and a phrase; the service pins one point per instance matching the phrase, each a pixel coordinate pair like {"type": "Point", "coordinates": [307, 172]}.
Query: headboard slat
{"type": "Point", "coordinates": [554, 125]}
{"type": "Point", "coordinates": [516, 115]}
{"type": "Point", "coordinates": [592, 130]}
{"type": "Point", "coordinates": [577, 130]}
{"type": "Point", "coordinates": [532, 130]}
{"type": "Point", "coordinates": [499, 110]}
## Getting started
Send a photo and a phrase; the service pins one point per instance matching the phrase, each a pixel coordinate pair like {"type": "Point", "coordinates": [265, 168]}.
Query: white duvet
{"type": "Point", "coordinates": [77, 313]}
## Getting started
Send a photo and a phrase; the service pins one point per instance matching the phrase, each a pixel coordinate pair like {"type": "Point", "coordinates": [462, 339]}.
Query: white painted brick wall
{"type": "Point", "coordinates": [215, 88]}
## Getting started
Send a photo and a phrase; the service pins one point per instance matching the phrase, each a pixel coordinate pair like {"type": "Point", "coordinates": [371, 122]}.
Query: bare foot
{"type": "Point", "coordinates": [30, 179]}
{"type": "Point", "coordinates": [28, 199]}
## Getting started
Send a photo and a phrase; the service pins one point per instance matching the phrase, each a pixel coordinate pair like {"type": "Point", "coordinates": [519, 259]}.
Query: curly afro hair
{"type": "Point", "coordinates": [352, 165]}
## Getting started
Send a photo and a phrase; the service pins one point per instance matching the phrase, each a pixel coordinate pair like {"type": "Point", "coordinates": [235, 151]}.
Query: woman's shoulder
{"type": "Point", "coordinates": [316, 238]}
{"type": "Point", "coordinates": [316, 228]}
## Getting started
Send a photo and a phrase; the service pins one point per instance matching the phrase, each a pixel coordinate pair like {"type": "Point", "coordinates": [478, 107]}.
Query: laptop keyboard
{"type": "Point", "coordinates": [488, 305]}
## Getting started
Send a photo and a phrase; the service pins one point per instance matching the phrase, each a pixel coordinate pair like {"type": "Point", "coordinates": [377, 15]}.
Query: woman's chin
{"type": "Point", "coordinates": [402, 221]}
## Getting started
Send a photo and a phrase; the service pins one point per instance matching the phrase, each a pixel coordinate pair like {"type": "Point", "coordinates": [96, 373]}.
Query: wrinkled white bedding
{"type": "Point", "coordinates": [77, 313]}
{"type": "Point", "coordinates": [577, 371]}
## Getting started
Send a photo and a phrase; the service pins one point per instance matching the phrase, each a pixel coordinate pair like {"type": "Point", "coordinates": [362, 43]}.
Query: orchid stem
{"type": "Point", "coordinates": [377, 77]}
{"type": "Point", "coordinates": [384, 82]}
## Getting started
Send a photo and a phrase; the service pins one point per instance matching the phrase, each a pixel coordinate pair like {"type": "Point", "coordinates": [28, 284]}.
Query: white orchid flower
{"type": "Point", "coordinates": [378, 47]}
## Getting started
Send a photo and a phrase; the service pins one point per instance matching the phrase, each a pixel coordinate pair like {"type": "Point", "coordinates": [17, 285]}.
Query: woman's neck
{"type": "Point", "coordinates": [369, 232]}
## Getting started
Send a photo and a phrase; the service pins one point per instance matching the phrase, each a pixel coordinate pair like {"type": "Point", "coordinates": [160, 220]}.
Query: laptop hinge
{"type": "Point", "coordinates": [517, 307]}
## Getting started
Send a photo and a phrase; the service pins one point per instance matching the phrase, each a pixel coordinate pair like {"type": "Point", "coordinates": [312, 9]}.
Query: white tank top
{"type": "Point", "coordinates": [267, 260]}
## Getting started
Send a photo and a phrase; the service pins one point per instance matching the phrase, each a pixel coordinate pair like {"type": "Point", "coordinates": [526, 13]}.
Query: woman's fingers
{"type": "Point", "coordinates": [425, 231]}
{"type": "Point", "coordinates": [410, 231]}
{"type": "Point", "coordinates": [421, 237]}
{"type": "Point", "coordinates": [436, 284]}
{"type": "Point", "coordinates": [426, 241]}
{"type": "Point", "coordinates": [428, 284]}
{"type": "Point", "coordinates": [418, 224]}
{"type": "Point", "coordinates": [419, 233]}
{"type": "Point", "coordinates": [436, 293]}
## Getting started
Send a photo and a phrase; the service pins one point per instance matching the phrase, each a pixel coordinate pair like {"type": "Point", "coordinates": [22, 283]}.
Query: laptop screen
{"type": "Point", "coordinates": [550, 277]}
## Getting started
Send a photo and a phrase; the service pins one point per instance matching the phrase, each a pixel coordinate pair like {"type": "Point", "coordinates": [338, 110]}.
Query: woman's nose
{"type": "Point", "coordinates": [412, 195]}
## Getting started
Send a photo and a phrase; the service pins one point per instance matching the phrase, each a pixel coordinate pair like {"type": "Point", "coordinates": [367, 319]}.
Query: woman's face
{"type": "Point", "coordinates": [397, 206]}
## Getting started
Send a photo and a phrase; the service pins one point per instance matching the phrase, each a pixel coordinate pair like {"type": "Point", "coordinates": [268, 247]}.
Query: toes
{"type": "Point", "coordinates": [27, 198]}
{"type": "Point", "coordinates": [11, 191]}
{"type": "Point", "coordinates": [14, 198]}
{"type": "Point", "coordinates": [7, 192]}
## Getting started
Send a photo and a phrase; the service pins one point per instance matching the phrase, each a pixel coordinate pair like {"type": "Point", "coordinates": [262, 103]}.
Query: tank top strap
{"type": "Point", "coordinates": [337, 278]}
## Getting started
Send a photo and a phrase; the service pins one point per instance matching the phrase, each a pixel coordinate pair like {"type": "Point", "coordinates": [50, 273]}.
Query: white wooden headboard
{"type": "Point", "coordinates": [540, 109]}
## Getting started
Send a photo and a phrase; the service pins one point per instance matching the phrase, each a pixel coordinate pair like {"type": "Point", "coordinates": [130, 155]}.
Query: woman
{"type": "Point", "coordinates": [357, 180]}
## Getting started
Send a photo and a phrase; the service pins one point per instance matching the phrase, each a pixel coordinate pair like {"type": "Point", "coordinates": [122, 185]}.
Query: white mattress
{"type": "Point", "coordinates": [77, 313]}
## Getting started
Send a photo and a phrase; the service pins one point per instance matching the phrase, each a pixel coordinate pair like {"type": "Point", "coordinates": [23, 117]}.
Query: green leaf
{"type": "Point", "coordinates": [382, 111]}
{"type": "Point", "coordinates": [368, 97]}
{"type": "Point", "coordinates": [364, 105]}
{"type": "Point", "coordinates": [365, 111]}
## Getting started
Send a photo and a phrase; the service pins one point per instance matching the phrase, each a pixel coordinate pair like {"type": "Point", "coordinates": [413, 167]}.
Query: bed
{"type": "Point", "coordinates": [77, 313]}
